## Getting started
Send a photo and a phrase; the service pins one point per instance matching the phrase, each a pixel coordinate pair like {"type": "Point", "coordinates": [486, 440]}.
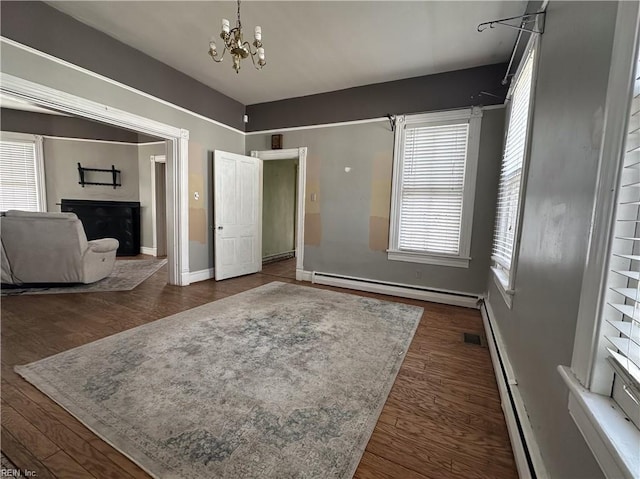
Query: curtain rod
{"type": "Point", "coordinates": [524, 20]}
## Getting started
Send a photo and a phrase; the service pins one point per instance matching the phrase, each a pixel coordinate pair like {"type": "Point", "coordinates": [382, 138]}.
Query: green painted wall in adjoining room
{"type": "Point", "coordinates": [279, 206]}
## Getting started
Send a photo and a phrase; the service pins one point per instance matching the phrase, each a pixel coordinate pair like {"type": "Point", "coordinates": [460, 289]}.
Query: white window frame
{"type": "Point", "coordinates": [39, 157]}
{"type": "Point", "coordinates": [473, 117]}
{"type": "Point", "coordinates": [505, 281]}
{"type": "Point", "coordinates": [612, 438]}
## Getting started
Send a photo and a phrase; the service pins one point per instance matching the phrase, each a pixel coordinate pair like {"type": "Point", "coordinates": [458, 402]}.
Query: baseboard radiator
{"type": "Point", "coordinates": [525, 449]}
{"type": "Point", "coordinates": [421, 293]}
{"type": "Point", "coordinates": [278, 257]}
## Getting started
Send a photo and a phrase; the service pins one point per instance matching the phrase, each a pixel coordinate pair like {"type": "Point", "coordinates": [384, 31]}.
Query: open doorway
{"type": "Point", "coordinates": [176, 171]}
{"type": "Point", "coordinates": [284, 173]}
{"type": "Point", "coordinates": [158, 203]}
{"type": "Point", "coordinates": [279, 195]}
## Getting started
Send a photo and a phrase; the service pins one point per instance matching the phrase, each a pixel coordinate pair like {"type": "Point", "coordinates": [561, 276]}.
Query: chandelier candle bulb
{"type": "Point", "coordinates": [237, 48]}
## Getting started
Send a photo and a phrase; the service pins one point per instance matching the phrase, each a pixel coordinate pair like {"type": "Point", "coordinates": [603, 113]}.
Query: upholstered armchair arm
{"type": "Point", "coordinates": [104, 245]}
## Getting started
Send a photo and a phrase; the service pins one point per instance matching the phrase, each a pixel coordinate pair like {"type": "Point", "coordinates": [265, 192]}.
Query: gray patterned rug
{"type": "Point", "coordinates": [281, 381]}
{"type": "Point", "coordinates": [126, 275]}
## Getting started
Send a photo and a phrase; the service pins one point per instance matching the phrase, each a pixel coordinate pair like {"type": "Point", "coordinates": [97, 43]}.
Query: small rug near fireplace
{"type": "Point", "coordinates": [281, 381]}
{"type": "Point", "coordinates": [126, 275]}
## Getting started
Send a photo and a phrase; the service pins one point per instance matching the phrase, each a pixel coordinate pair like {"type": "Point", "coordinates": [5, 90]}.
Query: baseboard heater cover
{"type": "Point", "coordinates": [456, 298]}
{"type": "Point", "coordinates": [519, 443]}
{"type": "Point", "coordinates": [278, 256]}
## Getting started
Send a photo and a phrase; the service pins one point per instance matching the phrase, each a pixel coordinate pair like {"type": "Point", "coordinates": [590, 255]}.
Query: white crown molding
{"type": "Point", "coordinates": [75, 67]}
{"type": "Point", "coordinates": [313, 127]}
{"type": "Point", "coordinates": [360, 122]}
{"type": "Point", "coordinates": [111, 142]}
{"type": "Point", "coordinates": [90, 73]}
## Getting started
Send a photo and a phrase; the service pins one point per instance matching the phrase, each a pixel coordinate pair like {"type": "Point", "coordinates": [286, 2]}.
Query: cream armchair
{"type": "Point", "coordinates": [52, 248]}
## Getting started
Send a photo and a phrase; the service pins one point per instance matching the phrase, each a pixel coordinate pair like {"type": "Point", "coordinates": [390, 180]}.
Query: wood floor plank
{"type": "Point", "coordinates": [410, 453]}
{"type": "Point", "coordinates": [83, 452]}
{"type": "Point", "coordinates": [64, 467]}
{"type": "Point", "coordinates": [21, 457]}
{"type": "Point", "coordinates": [376, 467]}
{"type": "Point", "coordinates": [26, 433]}
{"type": "Point", "coordinates": [442, 419]}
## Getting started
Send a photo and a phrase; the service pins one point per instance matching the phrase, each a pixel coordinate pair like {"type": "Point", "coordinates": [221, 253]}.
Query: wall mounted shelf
{"type": "Point", "coordinates": [115, 176]}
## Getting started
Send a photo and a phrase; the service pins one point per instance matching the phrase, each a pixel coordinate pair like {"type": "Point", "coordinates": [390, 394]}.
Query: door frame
{"type": "Point", "coordinates": [299, 154]}
{"type": "Point", "coordinates": [177, 166]}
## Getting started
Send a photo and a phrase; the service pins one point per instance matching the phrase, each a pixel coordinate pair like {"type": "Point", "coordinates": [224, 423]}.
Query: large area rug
{"type": "Point", "coordinates": [126, 275]}
{"type": "Point", "coordinates": [281, 381]}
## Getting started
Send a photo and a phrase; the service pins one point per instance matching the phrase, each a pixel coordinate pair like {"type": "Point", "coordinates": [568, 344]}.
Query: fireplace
{"type": "Point", "coordinates": [109, 219]}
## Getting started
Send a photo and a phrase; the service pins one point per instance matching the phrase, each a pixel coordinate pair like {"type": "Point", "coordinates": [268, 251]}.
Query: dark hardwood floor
{"type": "Point", "coordinates": [441, 420]}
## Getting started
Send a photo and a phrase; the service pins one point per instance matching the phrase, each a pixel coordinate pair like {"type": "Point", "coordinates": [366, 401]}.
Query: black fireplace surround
{"type": "Point", "coordinates": [109, 219]}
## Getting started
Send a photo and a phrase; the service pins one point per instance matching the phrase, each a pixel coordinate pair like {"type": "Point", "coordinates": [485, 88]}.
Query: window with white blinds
{"type": "Point", "coordinates": [20, 173]}
{"type": "Point", "coordinates": [431, 186]}
{"type": "Point", "coordinates": [622, 300]}
{"type": "Point", "coordinates": [510, 185]}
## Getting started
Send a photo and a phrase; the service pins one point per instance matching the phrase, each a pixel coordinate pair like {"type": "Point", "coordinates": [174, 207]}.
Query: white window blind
{"type": "Point", "coordinates": [19, 176]}
{"type": "Point", "coordinates": [433, 177]}
{"type": "Point", "coordinates": [511, 173]}
{"type": "Point", "coordinates": [622, 308]}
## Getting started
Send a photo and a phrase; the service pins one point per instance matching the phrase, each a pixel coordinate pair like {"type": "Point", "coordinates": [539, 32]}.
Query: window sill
{"type": "Point", "coordinates": [441, 260]}
{"type": "Point", "coordinates": [612, 438]}
{"type": "Point", "coordinates": [502, 282]}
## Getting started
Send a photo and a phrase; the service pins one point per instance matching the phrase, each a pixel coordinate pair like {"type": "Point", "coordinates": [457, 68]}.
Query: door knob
{"type": "Point", "coordinates": [219, 227]}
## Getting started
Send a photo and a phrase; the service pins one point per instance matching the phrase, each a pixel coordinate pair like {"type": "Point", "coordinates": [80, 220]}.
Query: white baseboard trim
{"type": "Point", "coordinates": [391, 289]}
{"type": "Point", "coordinates": [202, 275]}
{"type": "Point", "coordinates": [302, 275]}
{"type": "Point", "coordinates": [147, 250]}
{"type": "Point", "coordinates": [523, 442]}
{"type": "Point", "coordinates": [274, 257]}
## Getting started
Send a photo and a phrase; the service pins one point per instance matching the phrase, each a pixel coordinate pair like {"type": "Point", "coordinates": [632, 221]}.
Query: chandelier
{"type": "Point", "coordinates": [238, 48]}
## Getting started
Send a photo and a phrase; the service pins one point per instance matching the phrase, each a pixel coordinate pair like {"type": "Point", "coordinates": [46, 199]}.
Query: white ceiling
{"type": "Point", "coordinates": [311, 46]}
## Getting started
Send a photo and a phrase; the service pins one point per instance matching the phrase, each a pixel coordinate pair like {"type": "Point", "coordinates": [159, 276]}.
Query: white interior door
{"type": "Point", "coordinates": [237, 214]}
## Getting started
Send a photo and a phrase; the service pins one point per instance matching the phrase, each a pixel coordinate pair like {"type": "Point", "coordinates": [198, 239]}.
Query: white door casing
{"type": "Point", "coordinates": [237, 214]}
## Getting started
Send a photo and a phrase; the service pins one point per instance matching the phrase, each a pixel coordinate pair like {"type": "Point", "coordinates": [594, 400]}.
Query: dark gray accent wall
{"type": "Point", "coordinates": [54, 125]}
{"type": "Point", "coordinates": [566, 140]}
{"type": "Point", "coordinates": [443, 91]}
{"type": "Point", "coordinates": [44, 28]}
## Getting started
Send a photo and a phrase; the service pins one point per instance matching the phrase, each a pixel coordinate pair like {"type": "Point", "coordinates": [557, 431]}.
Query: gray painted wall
{"type": "Point", "coordinates": [346, 229]}
{"type": "Point", "coordinates": [566, 141]}
{"type": "Point", "coordinates": [443, 91]}
{"type": "Point", "coordinates": [144, 174]}
{"type": "Point", "coordinates": [44, 28]}
{"type": "Point", "coordinates": [205, 136]}
{"type": "Point", "coordinates": [279, 206]}
{"type": "Point", "coordinates": [67, 126]}
{"type": "Point", "coordinates": [61, 158]}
